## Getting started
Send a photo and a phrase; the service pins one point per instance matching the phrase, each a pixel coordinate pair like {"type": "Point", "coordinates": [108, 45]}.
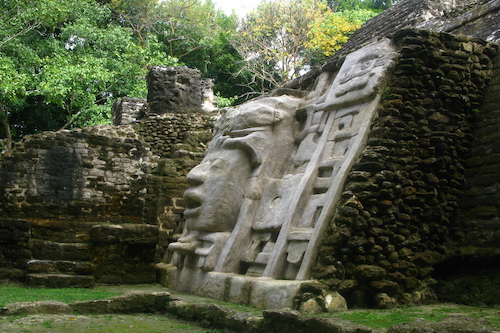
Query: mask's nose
{"type": "Point", "coordinates": [198, 174]}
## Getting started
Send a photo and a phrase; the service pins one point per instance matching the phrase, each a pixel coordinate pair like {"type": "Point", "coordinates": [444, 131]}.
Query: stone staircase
{"type": "Point", "coordinates": [61, 255]}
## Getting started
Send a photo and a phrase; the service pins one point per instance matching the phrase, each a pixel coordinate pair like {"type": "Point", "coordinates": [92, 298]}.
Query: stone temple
{"type": "Point", "coordinates": [372, 181]}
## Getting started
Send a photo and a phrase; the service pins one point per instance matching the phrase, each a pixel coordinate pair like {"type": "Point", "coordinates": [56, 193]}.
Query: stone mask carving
{"type": "Point", "coordinates": [260, 201]}
{"type": "Point", "coordinates": [243, 139]}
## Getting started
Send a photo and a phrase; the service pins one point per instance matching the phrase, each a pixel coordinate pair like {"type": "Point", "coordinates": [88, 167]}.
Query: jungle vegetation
{"type": "Point", "coordinates": [63, 63]}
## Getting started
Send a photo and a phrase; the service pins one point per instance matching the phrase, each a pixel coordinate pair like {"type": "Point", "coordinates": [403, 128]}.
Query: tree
{"type": "Point", "coordinates": [11, 91]}
{"type": "Point", "coordinates": [341, 5]}
{"type": "Point", "coordinates": [282, 38]}
{"type": "Point", "coordinates": [63, 63]}
{"type": "Point", "coordinates": [139, 15]}
{"type": "Point", "coordinates": [331, 30]}
{"type": "Point", "coordinates": [272, 40]}
{"type": "Point", "coordinates": [18, 19]}
{"type": "Point", "coordinates": [193, 31]}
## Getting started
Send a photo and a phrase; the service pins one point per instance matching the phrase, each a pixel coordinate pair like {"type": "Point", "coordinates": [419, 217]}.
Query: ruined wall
{"type": "Point", "coordinates": [178, 142]}
{"type": "Point", "coordinates": [106, 198]}
{"type": "Point", "coordinates": [14, 250]}
{"type": "Point", "coordinates": [94, 174]}
{"type": "Point", "coordinates": [128, 110]}
{"type": "Point", "coordinates": [402, 197]}
{"type": "Point", "coordinates": [477, 18]}
{"type": "Point", "coordinates": [470, 274]}
{"type": "Point", "coordinates": [171, 87]}
{"type": "Point", "coordinates": [479, 205]}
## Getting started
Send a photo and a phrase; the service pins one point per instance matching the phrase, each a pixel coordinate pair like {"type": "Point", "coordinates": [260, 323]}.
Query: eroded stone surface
{"type": "Point", "coordinates": [251, 213]}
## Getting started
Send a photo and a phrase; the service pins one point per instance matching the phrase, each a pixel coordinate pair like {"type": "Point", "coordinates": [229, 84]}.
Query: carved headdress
{"type": "Point", "coordinates": [253, 126]}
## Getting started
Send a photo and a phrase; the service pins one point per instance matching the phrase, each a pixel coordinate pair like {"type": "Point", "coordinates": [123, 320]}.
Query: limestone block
{"type": "Point", "coordinates": [310, 306]}
{"type": "Point", "coordinates": [177, 89]}
{"type": "Point", "coordinates": [125, 233]}
{"type": "Point", "coordinates": [42, 307]}
{"type": "Point", "coordinates": [334, 302]}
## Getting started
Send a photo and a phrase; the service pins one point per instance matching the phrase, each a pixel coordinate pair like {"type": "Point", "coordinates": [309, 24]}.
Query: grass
{"type": "Point", "coordinates": [10, 293]}
{"type": "Point", "coordinates": [376, 319]}
{"type": "Point", "coordinates": [379, 319]}
{"type": "Point", "coordinates": [99, 323]}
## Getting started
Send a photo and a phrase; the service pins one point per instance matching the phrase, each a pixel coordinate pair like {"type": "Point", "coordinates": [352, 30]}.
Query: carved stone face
{"type": "Point", "coordinates": [216, 190]}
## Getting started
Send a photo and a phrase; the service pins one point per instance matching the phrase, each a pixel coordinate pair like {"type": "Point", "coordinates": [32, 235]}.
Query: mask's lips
{"type": "Point", "coordinates": [193, 201]}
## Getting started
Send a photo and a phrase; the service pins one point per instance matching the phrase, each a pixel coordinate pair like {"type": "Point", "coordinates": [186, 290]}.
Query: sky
{"type": "Point", "coordinates": [241, 7]}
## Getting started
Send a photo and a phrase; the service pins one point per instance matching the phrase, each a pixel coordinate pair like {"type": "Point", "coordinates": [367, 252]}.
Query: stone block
{"type": "Point", "coordinates": [59, 251]}
{"type": "Point", "coordinates": [31, 308]}
{"type": "Point", "coordinates": [125, 233]}
{"type": "Point", "coordinates": [60, 281]}
{"type": "Point", "coordinates": [62, 266]}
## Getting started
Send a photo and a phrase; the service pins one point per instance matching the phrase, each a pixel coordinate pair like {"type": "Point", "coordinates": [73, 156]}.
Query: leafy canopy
{"type": "Point", "coordinates": [281, 39]}
{"type": "Point", "coordinates": [64, 62]}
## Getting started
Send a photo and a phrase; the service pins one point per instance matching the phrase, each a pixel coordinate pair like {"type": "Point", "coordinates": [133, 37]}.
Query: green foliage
{"type": "Point", "coordinates": [64, 62]}
{"type": "Point", "coordinates": [283, 38]}
{"type": "Point", "coordinates": [223, 102]}
{"type": "Point", "coordinates": [341, 5]}
{"type": "Point", "coordinates": [272, 40]}
{"type": "Point", "coordinates": [332, 29]}
{"type": "Point", "coordinates": [12, 83]}
{"type": "Point", "coordinates": [192, 31]}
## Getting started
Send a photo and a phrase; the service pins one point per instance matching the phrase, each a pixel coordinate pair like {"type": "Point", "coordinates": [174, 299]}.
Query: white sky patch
{"type": "Point", "coordinates": [73, 42]}
{"type": "Point", "coordinates": [241, 8]}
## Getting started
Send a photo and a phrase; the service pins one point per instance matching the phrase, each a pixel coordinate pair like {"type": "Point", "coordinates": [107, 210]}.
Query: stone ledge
{"type": "Point", "coordinates": [125, 233]}
{"type": "Point", "coordinates": [41, 307]}
{"type": "Point", "coordinates": [223, 317]}
{"type": "Point", "coordinates": [60, 280]}
{"type": "Point", "coordinates": [259, 292]}
{"type": "Point", "coordinates": [207, 315]}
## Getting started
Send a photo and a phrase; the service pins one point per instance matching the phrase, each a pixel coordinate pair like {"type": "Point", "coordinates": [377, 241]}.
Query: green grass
{"type": "Point", "coordinates": [98, 323]}
{"type": "Point", "coordinates": [387, 318]}
{"type": "Point", "coordinates": [376, 319]}
{"type": "Point", "coordinates": [13, 293]}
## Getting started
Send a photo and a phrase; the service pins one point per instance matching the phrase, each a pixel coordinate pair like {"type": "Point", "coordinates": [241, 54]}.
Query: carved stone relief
{"type": "Point", "coordinates": [262, 197]}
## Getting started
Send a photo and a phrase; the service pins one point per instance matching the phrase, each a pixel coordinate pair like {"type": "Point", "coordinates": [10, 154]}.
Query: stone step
{"type": "Point", "coordinates": [49, 250]}
{"type": "Point", "coordinates": [60, 281]}
{"type": "Point", "coordinates": [61, 231]}
{"type": "Point", "coordinates": [60, 266]}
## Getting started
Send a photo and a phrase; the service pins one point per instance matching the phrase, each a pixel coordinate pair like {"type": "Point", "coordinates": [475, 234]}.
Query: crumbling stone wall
{"type": "Point", "coordinates": [470, 272]}
{"type": "Point", "coordinates": [14, 251]}
{"type": "Point", "coordinates": [480, 213]}
{"type": "Point", "coordinates": [124, 253]}
{"type": "Point", "coordinates": [171, 87]}
{"type": "Point", "coordinates": [128, 110]}
{"type": "Point", "coordinates": [94, 174]}
{"type": "Point", "coordinates": [178, 141]}
{"type": "Point", "coordinates": [475, 18]}
{"type": "Point", "coordinates": [402, 197]}
{"type": "Point", "coordinates": [70, 188]}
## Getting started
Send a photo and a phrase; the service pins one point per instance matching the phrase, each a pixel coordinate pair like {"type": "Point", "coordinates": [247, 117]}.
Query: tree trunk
{"type": "Point", "coordinates": [7, 142]}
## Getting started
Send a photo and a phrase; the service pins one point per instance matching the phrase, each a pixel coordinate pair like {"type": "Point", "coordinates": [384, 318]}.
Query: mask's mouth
{"type": "Point", "coordinates": [193, 202]}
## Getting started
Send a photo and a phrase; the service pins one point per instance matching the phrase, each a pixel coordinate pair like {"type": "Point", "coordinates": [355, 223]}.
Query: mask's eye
{"type": "Point", "coordinates": [366, 64]}
{"type": "Point", "coordinates": [219, 165]}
